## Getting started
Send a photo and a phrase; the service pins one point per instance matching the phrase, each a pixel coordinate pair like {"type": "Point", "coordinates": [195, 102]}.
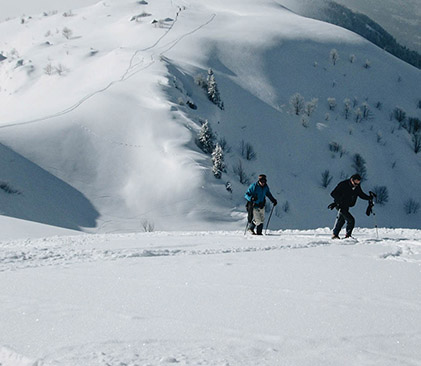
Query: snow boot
{"type": "Point", "coordinates": [259, 229]}
{"type": "Point", "coordinates": [335, 236]}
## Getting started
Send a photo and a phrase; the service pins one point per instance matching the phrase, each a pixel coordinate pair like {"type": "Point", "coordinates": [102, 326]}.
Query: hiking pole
{"type": "Point", "coordinates": [375, 224]}
{"type": "Point", "coordinates": [273, 206]}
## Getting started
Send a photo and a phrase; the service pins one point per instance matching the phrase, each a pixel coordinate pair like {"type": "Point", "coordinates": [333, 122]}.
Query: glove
{"type": "Point", "coordinates": [253, 199]}
{"type": "Point", "coordinates": [369, 210]}
{"type": "Point", "coordinates": [275, 202]}
{"type": "Point", "coordinates": [332, 206]}
{"type": "Point", "coordinates": [372, 194]}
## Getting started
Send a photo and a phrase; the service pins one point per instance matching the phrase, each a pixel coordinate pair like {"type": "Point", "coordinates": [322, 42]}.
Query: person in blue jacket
{"type": "Point", "coordinates": [256, 198]}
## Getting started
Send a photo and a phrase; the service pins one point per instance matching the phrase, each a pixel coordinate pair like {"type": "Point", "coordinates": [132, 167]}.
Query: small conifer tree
{"type": "Point", "coordinates": [206, 138]}
{"type": "Point", "coordinates": [218, 161]}
{"type": "Point", "coordinates": [213, 92]}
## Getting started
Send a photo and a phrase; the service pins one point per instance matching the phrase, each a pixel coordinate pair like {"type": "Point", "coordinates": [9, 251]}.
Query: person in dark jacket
{"type": "Point", "coordinates": [345, 195]}
{"type": "Point", "coordinates": [256, 200]}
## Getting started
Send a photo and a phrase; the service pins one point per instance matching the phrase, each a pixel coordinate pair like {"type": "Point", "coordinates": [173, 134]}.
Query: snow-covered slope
{"type": "Point", "coordinates": [211, 298]}
{"type": "Point", "coordinates": [104, 110]}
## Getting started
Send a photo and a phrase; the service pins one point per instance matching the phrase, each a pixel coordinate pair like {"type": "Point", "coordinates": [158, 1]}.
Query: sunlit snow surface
{"type": "Point", "coordinates": [212, 298]}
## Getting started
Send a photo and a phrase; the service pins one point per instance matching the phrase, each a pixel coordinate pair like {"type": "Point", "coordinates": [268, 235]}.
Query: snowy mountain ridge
{"type": "Point", "coordinates": [106, 99]}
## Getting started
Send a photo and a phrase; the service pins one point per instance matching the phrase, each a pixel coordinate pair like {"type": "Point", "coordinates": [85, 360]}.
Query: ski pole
{"type": "Point", "coordinates": [273, 206]}
{"type": "Point", "coordinates": [375, 224]}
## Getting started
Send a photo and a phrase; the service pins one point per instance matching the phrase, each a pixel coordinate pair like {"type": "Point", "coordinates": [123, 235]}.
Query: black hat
{"type": "Point", "coordinates": [356, 177]}
{"type": "Point", "coordinates": [262, 177]}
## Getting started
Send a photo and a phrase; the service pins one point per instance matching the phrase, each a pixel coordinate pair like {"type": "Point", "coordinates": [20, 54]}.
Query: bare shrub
{"type": "Point", "coordinates": [366, 111]}
{"type": "Point", "coordinates": [347, 108]}
{"type": "Point", "coordinates": [67, 33]}
{"type": "Point", "coordinates": [247, 151]}
{"type": "Point", "coordinates": [336, 148]}
{"type": "Point", "coordinates": [297, 103]}
{"type": "Point", "coordinates": [200, 80]}
{"type": "Point", "coordinates": [416, 139]}
{"type": "Point", "coordinates": [326, 178]}
{"type": "Point", "coordinates": [331, 103]}
{"type": "Point", "coordinates": [310, 107]}
{"type": "Point", "coordinates": [334, 56]}
{"type": "Point", "coordinates": [411, 206]}
{"type": "Point", "coordinates": [61, 69]}
{"type": "Point", "coordinates": [147, 226]}
{"type": "Point", "coordinates": [358, 115]}
{"type": "Point", "coordinates": [4, 186]}
{"type": "Point", "coordinates": [286, 207]}
{"type": "Point", "coordinates": [240, 172]}
{"type": "Point", "coordinates": [48, 69]}
{"type": "Point", "coordinates": [382, 195]}
{"type": "Point", "coordinates": [68, 14]}
{"type": "Point", "coordinates": [399, 114]}
{"type": "Point", "coordinates": [414, 125]}
{"type": "Point", "coordinates": [359, 166]}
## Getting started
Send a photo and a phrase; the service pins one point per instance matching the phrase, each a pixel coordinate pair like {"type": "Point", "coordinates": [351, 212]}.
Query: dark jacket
{"type": "Point", "coordinates": [345, 194]}
{"type": "Point", "coordinates": [256, 193]}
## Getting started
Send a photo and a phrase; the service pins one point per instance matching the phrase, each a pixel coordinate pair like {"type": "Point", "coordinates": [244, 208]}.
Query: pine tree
{"type": "Point", "coordinates": [213, 92]}
{"type": "Point", "coordinates": [206, 138]}
{"type": "Point", "coordinates": [218, 161]}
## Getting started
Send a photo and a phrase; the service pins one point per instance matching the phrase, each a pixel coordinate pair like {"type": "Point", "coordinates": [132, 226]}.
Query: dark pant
{"type": "Point", "coordinates": [344, 215]}
{"type": "Point", "coordinates": [251, 224]}
{"type": "Point", "coordinates": [249, 207]}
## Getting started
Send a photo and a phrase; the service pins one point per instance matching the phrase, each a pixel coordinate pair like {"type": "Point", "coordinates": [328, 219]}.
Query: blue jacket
{"type": "Point", "coordinates": [259, 193]}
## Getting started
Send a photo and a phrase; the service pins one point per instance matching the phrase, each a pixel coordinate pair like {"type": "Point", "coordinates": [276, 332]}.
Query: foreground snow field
{"type": "Point", "coordinates": [212, 298]}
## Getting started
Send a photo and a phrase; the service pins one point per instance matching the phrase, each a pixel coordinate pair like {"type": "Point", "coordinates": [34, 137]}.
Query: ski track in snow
{"type": "Point", "coordinates": [69, 250]}
{"type": "Point", "coordinates": [266, 352]}
{"type": "Point", "coordinates": [133, 68]}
